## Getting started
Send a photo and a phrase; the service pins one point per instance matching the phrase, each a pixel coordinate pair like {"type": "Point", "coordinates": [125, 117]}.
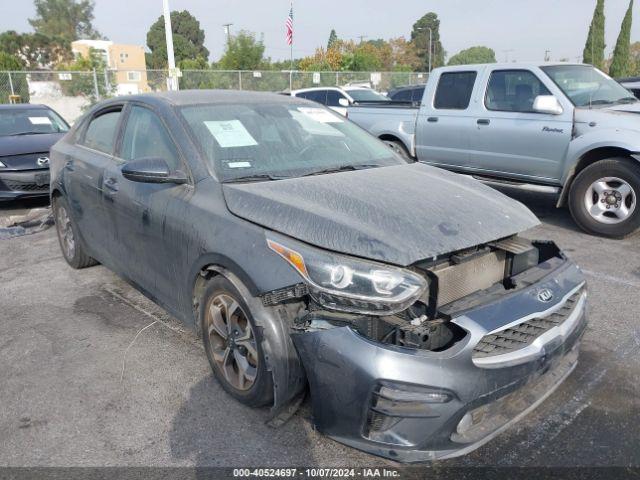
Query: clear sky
{"type": "Point", "coordinates": [527, 28]}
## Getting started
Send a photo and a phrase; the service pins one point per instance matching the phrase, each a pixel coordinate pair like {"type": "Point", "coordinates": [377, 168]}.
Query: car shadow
{"type": "Point", "coordinates": [543, 205]}
{"type": "Point", "coordinates": [212, 429]}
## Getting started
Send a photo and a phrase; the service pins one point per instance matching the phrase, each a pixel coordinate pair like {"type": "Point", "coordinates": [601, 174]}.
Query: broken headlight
{"type": "Point", "coordinates": [339, 282]}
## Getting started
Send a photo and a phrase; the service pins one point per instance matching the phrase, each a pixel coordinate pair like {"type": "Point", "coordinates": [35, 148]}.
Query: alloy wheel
{"type": "Point", "coordinates": [232, 342]}
{"type": "Point", "coordinates": [610, 200]}
{"type": "Point", "coordinates": [65, 231]}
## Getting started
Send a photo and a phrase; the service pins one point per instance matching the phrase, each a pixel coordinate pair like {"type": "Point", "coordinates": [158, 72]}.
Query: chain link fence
{"type": "Point", "coordinates": [72, 92]}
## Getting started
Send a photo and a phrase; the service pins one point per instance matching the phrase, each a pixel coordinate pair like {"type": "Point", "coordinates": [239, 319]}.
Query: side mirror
{"type": "Point", "coordinates": [151, 170]}
{"type": "Point", "coordinates": [343, 102]}
{"type": "Point", "coordinates": [547, 104]}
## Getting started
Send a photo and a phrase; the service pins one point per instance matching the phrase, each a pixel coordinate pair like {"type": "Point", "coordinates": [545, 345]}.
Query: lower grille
{"type": "Point", "coordinates": [19, 186]}
{"type": "Point", "coordinates": [525, 333]}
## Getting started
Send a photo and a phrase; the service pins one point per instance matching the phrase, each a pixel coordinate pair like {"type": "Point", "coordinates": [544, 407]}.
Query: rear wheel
{"type": "Point", "coordinates": [70, 242]}
{"type": "Point", "coordinates": [234, 345]}
{"type": "Point", "coordinates": [604, 198]}
{"type": "Point", "coordinates": [399, 148]}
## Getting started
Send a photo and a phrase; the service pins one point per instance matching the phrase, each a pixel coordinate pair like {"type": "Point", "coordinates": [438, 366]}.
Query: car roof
{"type": "Point", "coordinates": [22, 106]}
{"type": "Point", "coordinates": [515, 65]}
{"type": "Point", "coordinates": [315, 89]}
{"type": "Point", "coordinates": [203, 97]}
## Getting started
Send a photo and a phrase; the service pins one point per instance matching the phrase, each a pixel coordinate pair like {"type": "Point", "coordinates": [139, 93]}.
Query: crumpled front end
{"type": "Point", "coordinates": [438, 393]}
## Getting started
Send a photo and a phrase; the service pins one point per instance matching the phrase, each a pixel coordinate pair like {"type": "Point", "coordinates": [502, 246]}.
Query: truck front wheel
{"type": "Point", "coordinates": [604, 198]}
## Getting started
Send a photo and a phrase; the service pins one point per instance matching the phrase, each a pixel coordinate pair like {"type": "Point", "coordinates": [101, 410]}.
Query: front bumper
{"type": "Point", "coordinates": [445, 403]}
{"type": "Point", "coordinates": [24, 184]}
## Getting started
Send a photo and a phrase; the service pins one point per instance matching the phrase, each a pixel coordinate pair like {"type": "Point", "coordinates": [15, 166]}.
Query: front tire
{"type": "Point", "coordinates": [604, 198]}
{"type": "Point", "coordinates": [233, 344]}
{"type": "Point", "coordinates": [70, 243]}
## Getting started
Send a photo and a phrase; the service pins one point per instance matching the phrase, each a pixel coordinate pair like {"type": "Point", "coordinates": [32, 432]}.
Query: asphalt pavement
{"type": "Point", "coordinates": [75, 390]}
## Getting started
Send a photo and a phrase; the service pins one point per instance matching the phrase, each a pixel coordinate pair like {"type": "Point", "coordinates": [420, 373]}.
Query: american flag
{"type": "Point", "coordinates": [289, 25]}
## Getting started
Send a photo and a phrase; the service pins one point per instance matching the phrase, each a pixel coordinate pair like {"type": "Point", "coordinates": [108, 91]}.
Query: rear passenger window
{"type": "Point", "coordinates": [513, 91]}
{"type": "Point", "coordinates": [418, 93]}
{"type": "Point", "coordinates": [402, 96]}
{"type": "Point", "coordinates": [454, 90]}
{"type": "Point", "coordinates": [101, 132]}
{"type": "Point", "coordinates": [319, 96]}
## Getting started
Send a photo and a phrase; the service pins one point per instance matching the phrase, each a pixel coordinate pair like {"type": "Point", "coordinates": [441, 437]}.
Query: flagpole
{"type": "Point", "coordinates": [291, 64]}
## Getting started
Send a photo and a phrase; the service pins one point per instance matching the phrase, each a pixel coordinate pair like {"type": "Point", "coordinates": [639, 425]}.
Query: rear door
{"type": "Point", "coordinates": [446, 119]}
{"type": "Point", "coordinates": [509, 138]}
{"type": "Point", "coordinates": [142, 215]}
{"type": "Point", "coordinates": [84, 173]}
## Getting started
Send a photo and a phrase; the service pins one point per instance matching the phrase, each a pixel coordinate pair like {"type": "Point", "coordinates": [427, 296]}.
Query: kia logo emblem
{"type": "Point", "coordinates": [545, 295]}
{"type": "Point", "coordinates": [42, 161]}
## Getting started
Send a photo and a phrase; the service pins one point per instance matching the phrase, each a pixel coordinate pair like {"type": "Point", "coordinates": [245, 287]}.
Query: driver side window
{"type": "Point", "coordinates": [145, 136]}
{"type": "Point", "coordinates": [513, 91]}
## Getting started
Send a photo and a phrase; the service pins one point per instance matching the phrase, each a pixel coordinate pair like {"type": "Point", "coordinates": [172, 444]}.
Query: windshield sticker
{"type": "Point", "coordinates": [230, 133]}
{"type": "Point", "coordinates": [320, 115]}
{"type": "Point", "coordinates": [314, 127]}
{"type": "Point", "coordinates": [40, 120]}
{"type": "Point", "coordinates": [239, 164]}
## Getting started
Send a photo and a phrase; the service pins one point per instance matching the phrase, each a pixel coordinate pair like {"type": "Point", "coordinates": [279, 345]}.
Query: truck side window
{"type": "Point", "coordinates": [513, 91]}
{"type": "Point", "coordinates": [333, 98]}
{"type": "Point", "coordinates": [454, 90]}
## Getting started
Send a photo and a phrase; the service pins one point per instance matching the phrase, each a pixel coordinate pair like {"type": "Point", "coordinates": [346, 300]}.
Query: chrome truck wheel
{"type": "Point", "coordinates": [603, 197]}
{"type": "Point", "coordinates": [610, 200]}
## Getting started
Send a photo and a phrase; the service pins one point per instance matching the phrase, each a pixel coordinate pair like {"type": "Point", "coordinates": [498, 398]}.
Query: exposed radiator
{"type": "Point", "coordinates": [458, 281]}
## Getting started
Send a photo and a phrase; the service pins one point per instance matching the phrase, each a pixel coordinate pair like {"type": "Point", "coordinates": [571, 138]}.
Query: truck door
{"type": "Point", "coordinates": [510, 138]}
{"type": "Point", "coordinates": [446, 119]}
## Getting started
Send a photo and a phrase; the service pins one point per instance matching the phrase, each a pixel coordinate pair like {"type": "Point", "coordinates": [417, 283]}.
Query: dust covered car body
{"type": "Point", "coordinates": [307, 253]}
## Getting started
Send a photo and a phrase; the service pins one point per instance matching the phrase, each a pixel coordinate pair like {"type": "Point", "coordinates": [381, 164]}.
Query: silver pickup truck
{"type": "Point", "coordinates": [567, 128]}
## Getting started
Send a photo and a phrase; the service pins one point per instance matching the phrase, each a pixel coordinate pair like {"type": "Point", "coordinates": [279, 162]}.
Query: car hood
{"type": "Point", "coordinates": [398, 215]}
{"type": "Point", "coordinates": [623, 117]}
{"type": "Point", "coordinates": [21, 144]}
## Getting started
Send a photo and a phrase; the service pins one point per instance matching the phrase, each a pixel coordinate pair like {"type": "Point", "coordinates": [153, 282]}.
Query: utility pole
{"type": "Point", "coordinates": [227, 30]}
{"type": "Point", "coordinates": [547, 55]}
{"type": "Point", "coordinates": [173, 74]}
{"type": "Point", "coordinates": [362, 37]}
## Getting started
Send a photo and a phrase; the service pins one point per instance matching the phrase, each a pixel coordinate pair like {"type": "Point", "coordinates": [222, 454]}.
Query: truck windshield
{"type": "Point", "coordinates": [30, 121]}
{"type": "Point", "coordinates": [587, 86]}
{"type": "Point", "coordinates": [265, 141]}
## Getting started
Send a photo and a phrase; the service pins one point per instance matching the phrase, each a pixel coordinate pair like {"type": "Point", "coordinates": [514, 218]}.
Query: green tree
{"type": "Point", "coordinates": [473, 55]}
{"type": "Point", "coordinates": [8, 63]}
{"type": "Point", "coordinates": [621, 65]}
{"type": "Point", "coordinates": [35, 49]}
{"type": "Point", "coordinates": [594, 48]}
{"type": "Point", "coordinates": [65, 19]}
{"type": "Point", "coordinates": [82, 81]}
{"type": "Point", "coordinates": [188, 40]}
{"type": "Point", "coordinates": [333, 38]}
{"type": "Point", "coordinates": [243, 52]}
{"type": "Point", "coordinates": [420, 38]}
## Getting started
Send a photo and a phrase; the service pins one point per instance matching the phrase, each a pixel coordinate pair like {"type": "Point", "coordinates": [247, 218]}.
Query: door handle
{"type": "Point", "coordinates": [484, 121]}
{"type": "Point", "coordinates": [111, 185]}
{"type": "Point", "coordinates": [432, 119]}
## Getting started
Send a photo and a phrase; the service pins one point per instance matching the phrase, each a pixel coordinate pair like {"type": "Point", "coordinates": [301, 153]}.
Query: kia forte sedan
{"type": "Point", "coordinates": [27, 132]}
{"type": "Point", "coordinates": [311, 258]}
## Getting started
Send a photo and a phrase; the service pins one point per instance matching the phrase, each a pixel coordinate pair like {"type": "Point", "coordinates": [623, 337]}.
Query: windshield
{"type": "Point", "coordinates": [27, 121]}
{"type": "Point", "coordinates": [282, 140]}
{"type": "Point", "coordinates": [587, 86]}
{"type": "Point", "coordinates": [366, 95]}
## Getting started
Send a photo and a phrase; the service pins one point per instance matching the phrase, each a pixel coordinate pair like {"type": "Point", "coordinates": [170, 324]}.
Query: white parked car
{"type": "Point", "coordinates": [338, 99]}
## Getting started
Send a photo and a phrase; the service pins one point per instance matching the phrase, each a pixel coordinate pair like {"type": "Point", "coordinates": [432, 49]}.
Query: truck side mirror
{"type": "Point", "coordinates": [547, 104]}
{"type": "Point", "coordinates": [343, 102]}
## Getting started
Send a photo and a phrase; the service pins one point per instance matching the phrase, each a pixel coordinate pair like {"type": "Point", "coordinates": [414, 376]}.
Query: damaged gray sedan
{"type": "Point", "coordinates": [309, 256]}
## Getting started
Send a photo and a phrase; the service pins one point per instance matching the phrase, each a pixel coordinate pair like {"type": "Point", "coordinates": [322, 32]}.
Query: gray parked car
{"type": "Point", "coordinates": [306, 253]}
{"type": "Point", "coordinates": [568, 129]}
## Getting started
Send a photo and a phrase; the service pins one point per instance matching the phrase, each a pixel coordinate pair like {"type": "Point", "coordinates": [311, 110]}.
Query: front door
{"type": "Point", "coordinates": [510, 139]}
{"type": "Point", "coordinates": [141, 213]}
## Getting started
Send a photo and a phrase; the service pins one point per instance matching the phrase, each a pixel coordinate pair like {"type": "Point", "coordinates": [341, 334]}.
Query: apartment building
{"type": "Point", "coordinates": [126, 62]}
